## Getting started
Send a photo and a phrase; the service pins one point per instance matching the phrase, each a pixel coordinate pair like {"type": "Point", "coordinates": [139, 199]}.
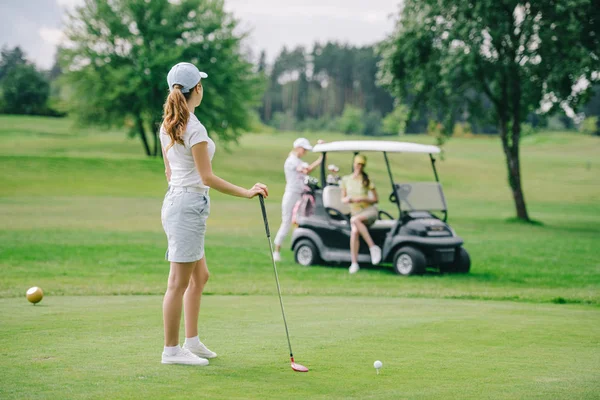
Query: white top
{"type": "Point", "coordinates": [181, 161]}
{"type": "Point", "coordinates": [376, 145]}
{"type": "Point", "coordinates": [294, 179]}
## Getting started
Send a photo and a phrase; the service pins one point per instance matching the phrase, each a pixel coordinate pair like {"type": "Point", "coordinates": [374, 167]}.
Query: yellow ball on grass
{"type": "Point", "coordinates": [35, 294]}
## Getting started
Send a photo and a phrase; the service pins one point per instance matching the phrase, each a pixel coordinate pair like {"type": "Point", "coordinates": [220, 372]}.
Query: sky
{"type": "Point", "coordinates": [35, 25]}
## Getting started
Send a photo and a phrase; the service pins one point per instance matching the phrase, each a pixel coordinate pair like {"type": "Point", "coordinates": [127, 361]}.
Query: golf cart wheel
{"type": "Point", "coordinates": [462, 262]}
{"type": "Point", "coordinates": [306, 253]}
{"type": "Point", "coordinates": [409, 261]}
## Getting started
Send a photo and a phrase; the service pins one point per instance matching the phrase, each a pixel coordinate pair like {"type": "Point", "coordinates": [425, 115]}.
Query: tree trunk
{"type": "Point", "coordinates": [511, 151]}
{"type": "Point", "coordinates": [140, 126]}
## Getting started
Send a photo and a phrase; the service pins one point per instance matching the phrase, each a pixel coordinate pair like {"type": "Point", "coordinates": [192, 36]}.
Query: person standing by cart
{"type": "Point", "coordinates": [295, 171]}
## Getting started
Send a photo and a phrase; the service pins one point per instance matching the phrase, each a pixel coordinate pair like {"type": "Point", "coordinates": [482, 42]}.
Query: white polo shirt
{"type": "Point", "coordinates": [294, 179]}
{"type": "Point", "coordinates": [181, 161]}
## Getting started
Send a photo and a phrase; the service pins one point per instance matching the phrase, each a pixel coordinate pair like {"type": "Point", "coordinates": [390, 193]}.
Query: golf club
{"type": "Point", "coordinates": [296, 367]}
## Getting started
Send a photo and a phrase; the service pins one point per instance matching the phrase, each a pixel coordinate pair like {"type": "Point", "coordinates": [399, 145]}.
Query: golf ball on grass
{"type": "Point", "coordinates": [377, 364]}
{"type": "Point", "coordinates": [35, 294]}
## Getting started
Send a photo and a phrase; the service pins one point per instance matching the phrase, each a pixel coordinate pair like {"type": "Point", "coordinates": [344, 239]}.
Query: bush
{"type": "Point", "coordinates": [372, 124]}
{"type": "Point", "coordinates": [351, 120]}
{"type": "Point", "coordinates": [257, 126]}
{"type": "Point", "coordinates": [395, 122]}
{"type": "Point", "coordinates": [589, 126]}
{"type": "Point", "coordinates": [314, 124]}
{"type": "Point", "coordinates": [527, 130]}
{"type": "Point", "coordinates": [435, 129]}
{"type": "Point", "coordinates": [462, 129]}
{"type": "Point", "coordinates": [283, 121]}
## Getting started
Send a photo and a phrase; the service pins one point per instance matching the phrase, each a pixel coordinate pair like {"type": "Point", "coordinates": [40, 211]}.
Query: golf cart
{"type": "Point", "coordinates": [417, 239]}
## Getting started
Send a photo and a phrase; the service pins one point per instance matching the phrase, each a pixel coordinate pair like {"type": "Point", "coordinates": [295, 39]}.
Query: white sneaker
{"type": "Point", "coordinates": [185, 357]}
{"type": "Point", "coordinates": [276, 256]}
{"type": "Point", "coordinates": [200, 350]}
{"type": "Point", "coordinates": [353, 268]}
{"type": "Point", "coordinates": [375, 255]}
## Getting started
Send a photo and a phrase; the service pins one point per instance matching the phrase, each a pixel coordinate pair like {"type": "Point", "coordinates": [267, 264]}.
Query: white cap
{"type": "Point", "coordinates": [302, 142]}
{"type": "Point", "coordinates": [186, 75]}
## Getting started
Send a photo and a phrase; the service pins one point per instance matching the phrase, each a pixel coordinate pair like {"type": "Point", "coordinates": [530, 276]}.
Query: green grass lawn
{"type": "Point", "coordinates": [80, 212]}
{"type": "Point", "coordinates": [109, 348]}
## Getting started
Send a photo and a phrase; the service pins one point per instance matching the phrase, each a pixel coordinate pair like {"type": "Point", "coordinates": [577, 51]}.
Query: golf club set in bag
{"type": "Point", "coordinates": [295, 366]}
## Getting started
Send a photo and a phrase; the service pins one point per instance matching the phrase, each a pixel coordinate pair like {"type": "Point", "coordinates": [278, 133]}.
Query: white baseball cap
{"type": "Point", "coordinates": [186, 75]}
{"type": "Point", "coordinates": [302, 142]}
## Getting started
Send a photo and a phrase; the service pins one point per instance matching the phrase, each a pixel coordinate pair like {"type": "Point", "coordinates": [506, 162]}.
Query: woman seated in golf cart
{"type": "Point", "coordinates": [359, 192]}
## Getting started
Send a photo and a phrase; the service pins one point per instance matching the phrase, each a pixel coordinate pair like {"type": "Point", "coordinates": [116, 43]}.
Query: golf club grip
{"type": "Point", "coordinates": [264, 213]}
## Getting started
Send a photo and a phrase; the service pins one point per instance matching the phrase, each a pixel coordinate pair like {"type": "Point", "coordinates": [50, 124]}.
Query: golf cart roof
{"type": "Point", "coordinates": [376, 145]}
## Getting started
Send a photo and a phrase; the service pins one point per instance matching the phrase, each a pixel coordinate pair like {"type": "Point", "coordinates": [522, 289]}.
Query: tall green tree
{"type": "Point", "coordinates": [25, 90]}
{"type": "Point", "coordinates": [518, 54]}
{"type": "Point", "coordinates": [120, 52]}
{"type": "Point", "coordinates": [9, 59]}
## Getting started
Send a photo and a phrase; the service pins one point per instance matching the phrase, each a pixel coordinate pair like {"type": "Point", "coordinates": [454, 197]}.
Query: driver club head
{"type": "Point", "coordinates": [298, 367]}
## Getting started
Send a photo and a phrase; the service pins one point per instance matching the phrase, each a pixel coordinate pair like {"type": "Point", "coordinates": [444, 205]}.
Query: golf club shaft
{"type": "Point", "coordinates": [264, 213]}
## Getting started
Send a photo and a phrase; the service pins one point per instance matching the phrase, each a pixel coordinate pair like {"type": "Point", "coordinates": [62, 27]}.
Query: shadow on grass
{"type": "Point", "coordinates": [430, 272]}
{"type": "Point", "coordinates": [531, 222]}
{"type": "Point", "coordinates": [584, 227]}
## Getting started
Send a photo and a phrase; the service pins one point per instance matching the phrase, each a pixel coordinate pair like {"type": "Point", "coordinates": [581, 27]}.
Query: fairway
{"type": "Point", "coordinates": [109, 347]}
{"type": "Point", "coordinates": [80, 212]}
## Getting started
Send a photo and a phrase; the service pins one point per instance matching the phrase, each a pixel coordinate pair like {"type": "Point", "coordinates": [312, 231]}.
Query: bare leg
{"type": "Point", "coordinates": [358, 222]}
{"type": "Point", "coordinates": [193, 296]}
{"type": "Point", "coordinates": [179, 278]}
{"type": "Point", "coordinates": [354, 244]}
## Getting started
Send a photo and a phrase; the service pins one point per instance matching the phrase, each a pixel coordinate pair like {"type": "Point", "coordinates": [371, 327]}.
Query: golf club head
{"type": "Point", "coordinates": [299, 368]}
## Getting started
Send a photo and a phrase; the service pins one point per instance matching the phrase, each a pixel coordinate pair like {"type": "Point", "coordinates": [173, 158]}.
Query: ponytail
{"type": "Point", "coordinates": [176, 115]}
{"type": "Point", "coordinates": [365, 179]}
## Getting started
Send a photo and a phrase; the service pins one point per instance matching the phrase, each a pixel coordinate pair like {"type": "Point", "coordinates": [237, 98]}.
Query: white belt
{"type": "Point", "coordinates": [193, 189]}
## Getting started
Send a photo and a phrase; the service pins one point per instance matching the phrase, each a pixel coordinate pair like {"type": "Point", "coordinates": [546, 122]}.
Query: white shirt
{"type": "Point", "coordinates": [181, 161]}
{"type": "Point", "coordinates": [294, 179]}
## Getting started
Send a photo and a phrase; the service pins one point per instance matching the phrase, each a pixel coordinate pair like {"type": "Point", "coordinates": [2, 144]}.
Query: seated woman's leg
{"type": "Point", "coordinates": [354, 244]}
{"type": "Point", "coordinates": [361, 221]}
{"type": "Point", "coordinates": [358, 221]}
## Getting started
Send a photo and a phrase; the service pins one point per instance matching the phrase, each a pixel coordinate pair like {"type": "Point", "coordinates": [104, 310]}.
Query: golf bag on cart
{"type": "Point", "coordinates": [306, 205]}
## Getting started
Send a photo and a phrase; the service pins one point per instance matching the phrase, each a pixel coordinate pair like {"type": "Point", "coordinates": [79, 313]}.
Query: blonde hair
{"type": "Point", "coordinates": [176, 115]}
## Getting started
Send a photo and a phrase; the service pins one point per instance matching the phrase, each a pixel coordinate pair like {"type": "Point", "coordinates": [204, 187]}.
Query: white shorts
{"type": "Point", "coordinates": [184, 216]}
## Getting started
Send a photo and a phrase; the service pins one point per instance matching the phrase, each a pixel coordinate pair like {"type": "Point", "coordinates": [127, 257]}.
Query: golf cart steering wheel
{"type": "Point", "coordinates": [387, 214]}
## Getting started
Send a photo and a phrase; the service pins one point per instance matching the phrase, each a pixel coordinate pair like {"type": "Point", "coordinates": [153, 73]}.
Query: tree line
{"type": "Point", "coordinates": [450, 66]}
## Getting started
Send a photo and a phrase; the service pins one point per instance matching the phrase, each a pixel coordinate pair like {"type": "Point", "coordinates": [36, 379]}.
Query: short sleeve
{"type": "Point", "coordinates": [197, 134]}
{"type": "Point", "coordinates": [343, 183]}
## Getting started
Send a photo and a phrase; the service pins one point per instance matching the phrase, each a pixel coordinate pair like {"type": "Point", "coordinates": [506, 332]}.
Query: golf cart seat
{"type": "Point", "coordinates": [383, 224]}
{"type": "Point", "coordinates": [332, 201]}
{"type": "Point", "coordinates": [336, 208]}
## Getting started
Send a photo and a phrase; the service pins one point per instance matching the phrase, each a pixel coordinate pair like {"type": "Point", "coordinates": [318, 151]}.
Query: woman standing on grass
{"type": "Point", "coordinates": [295, 171]}
{"type": "Point", "coordinates": [188, 152]}
{"type": "Point", "coordinates": [359, 191]}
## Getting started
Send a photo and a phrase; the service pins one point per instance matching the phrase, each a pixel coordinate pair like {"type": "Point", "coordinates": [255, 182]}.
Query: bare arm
{"type": "Point", "coordinates": [314, 165]}
{"type": "Point", "coordinates": [202, 161]}
{"type": "Point", "coordinates": [167, 166]}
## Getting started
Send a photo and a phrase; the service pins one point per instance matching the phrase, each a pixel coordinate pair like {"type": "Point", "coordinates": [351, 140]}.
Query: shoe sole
{"type": "Point", "coordinates": [204, 356]}
{"type": "Point", "coordinates": [182, 363]}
